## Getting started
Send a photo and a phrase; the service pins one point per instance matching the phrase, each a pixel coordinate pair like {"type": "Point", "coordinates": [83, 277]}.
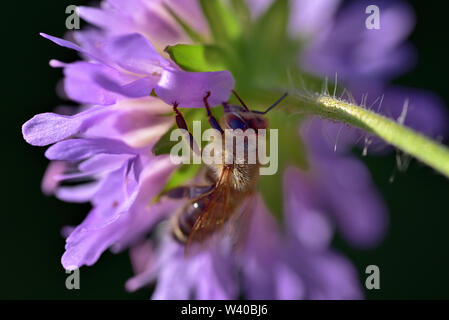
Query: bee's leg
{"type": "Point", "coordinates": [181, 123]}
{"type": "Point", "coordinates": [226, 107]}
{"type": "Point", "coordinates": [189, 192]}
{"type": "Point", "coordinates": [212, 120]}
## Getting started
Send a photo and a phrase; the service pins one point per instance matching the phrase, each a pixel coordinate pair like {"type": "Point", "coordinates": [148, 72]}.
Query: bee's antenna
{"type": "Point", "coordinates": [240, 99]}
{"type": "Point", "coordinates": [274, 104]}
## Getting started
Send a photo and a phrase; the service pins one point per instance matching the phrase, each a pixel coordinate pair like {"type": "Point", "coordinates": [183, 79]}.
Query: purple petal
{"type": "Point", "coordinates": [104, 225]}
{"type": "Point", "coordinates": [103, 163]}
{"type": "Point", "coordinates": [304, 211]}
{"type": "Point", "coordinates": [79, 149]}
{"type": "Point", "coordinates": [142, 255]}
{"type": "Point", "coordinates": [50, 183]}
{"type": "Point", "coordinates": [289, 286]}
{"type": "Point", "coordinates": [144, 213]}
{"type": "Point", "coordinates": [134, 53]}
{"type": "Point", "coordinates": [173, 283]}
{"type": "Point", "coordinates": [189, 88]}
{"type": "Point", "coordinates": [78, 194]}
{"type": "Point", "coordinates": [139, 88]}
{"type": "Point", "coordinates": [178, 276]}
{"type": "Point", "coordinates": [366, 55]}
{"type": "Point", "coordinates": [261, 251]}
{"type": "Point", "coordinates": [136, 16]}
{"type": "Point", "coordinates": [80, 84]}
{"type": "Point", "coordinates": [116, 192]}
{"type": "Point", "coordinates": [85, 244]}
{"type": "Point", "coordinates": [107, 19]}
{"type": "Point", "coordinates": [168, 252]}
{"type": "Point", "coordinates": [99, 83]}
{"type": "Point", "coordinates": [325, 274]}
{"type": "Point", "coordinates": [128, 7]}
{"type": "Point", "coordinates": [95, 83]}
{"type": "Point", "coordinates": [309, 16]}
{"type": "Point", "coordinates": [47, 128]}
{"type": "Point", "coordinates": [63, 43]}
{"type": "Point", "coordinates": [359, 211]}
{"type": "Point", "coordinates": [92, 40]}
{"type": "Point", "coordinates": [218, 281]}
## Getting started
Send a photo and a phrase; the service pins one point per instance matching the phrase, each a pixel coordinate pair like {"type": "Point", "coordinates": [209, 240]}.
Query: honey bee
{"type": "Point", "coordinates": [211, 206]}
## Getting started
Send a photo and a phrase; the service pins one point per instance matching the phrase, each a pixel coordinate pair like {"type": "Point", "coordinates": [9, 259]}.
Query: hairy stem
{"type": "Point", "coordinates": [413, 143]}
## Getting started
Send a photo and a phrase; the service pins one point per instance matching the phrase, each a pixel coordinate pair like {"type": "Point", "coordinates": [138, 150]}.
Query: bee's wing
{"type": "Point", "coordinates": [240, 222]}
{"type": "Point", "coordinates": [214, 216]}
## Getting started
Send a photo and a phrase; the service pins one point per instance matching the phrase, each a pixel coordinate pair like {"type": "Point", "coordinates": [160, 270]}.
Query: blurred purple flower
{"type": "Point", "coordinates": [344, 45]}
{"type": "Point", "coordinates": [364, 61]}
{"type": "Point", "coordinates": [271, 266]}
{"type": "Point", "coordinates": [342, 185]}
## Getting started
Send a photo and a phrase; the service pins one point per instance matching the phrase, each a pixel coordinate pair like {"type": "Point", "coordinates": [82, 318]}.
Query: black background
{"type": "Point", "coordinates": [413, 259]}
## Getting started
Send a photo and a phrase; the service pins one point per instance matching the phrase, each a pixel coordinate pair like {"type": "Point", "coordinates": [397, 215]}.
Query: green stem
{"type": "Point", "coordinates": [424, 149]}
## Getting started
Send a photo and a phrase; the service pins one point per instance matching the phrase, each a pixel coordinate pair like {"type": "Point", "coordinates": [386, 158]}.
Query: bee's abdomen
{"type": "Point", "coordinates": [186, 219]}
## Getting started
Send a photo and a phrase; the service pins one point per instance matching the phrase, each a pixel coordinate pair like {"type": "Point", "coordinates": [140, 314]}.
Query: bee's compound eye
{"type": "Point", "coordinates": [237, 123]}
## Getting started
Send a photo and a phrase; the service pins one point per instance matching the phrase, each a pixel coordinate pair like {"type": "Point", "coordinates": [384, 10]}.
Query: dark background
{"type": "Point", "coordinates": [413, 259]}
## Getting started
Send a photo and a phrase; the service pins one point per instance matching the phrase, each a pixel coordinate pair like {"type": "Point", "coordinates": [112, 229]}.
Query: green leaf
{"type": "Point", "coordinates": [198, 58]}
{"type": "Point", "coordinates": [291, 152]}
{"type": "Point", "coordinates": [271, 28]}
{"type": "Point", "coordinates": [265, 52]}
{"type": "Point", "coordinates": [241, 11]}
{"type": "Point", "coordinates": [223, 24]}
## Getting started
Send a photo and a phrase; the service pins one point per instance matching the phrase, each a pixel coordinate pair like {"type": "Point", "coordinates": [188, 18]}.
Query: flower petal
{"type": "Point", "coordinates": [304, 211]}
{"type": "Point", "coordinates": [47, 128]}
{"type": "Point", "coordinates": [133, 52]}
{"type": "Point", "coordinates": [84, 245]}
{"type": "Point", "coordinates": [79, 149]}
{"type": "Point", "coordinates": [80, 83]}
{"type": "Point", "coordinates": [78, 194]}
{"type": "Point", "coordinates": [139, 88]}
{"type": "Point", "coordinates": [64, 43]}
{"type": "Point", "coordinates": [357, 205]}
{"type": "Point", "coordinates": [189, 88]}
{"type": "Point", "coordinates": [50, 182]}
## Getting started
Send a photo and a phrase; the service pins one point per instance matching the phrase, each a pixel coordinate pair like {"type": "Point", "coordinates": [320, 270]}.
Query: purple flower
{"type": "Point", "coordinates": [110, 143]}
{"type": "Point", "coordinates": [90, 146]}
{"type": "Point", "coordinates": [102, 153]}
{"type": "Point", "coordinates": [128, 66]}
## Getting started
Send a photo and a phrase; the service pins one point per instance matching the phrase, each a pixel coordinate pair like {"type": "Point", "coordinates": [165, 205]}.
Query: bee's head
{"type": "Point", "coordinates": [240, 117]}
